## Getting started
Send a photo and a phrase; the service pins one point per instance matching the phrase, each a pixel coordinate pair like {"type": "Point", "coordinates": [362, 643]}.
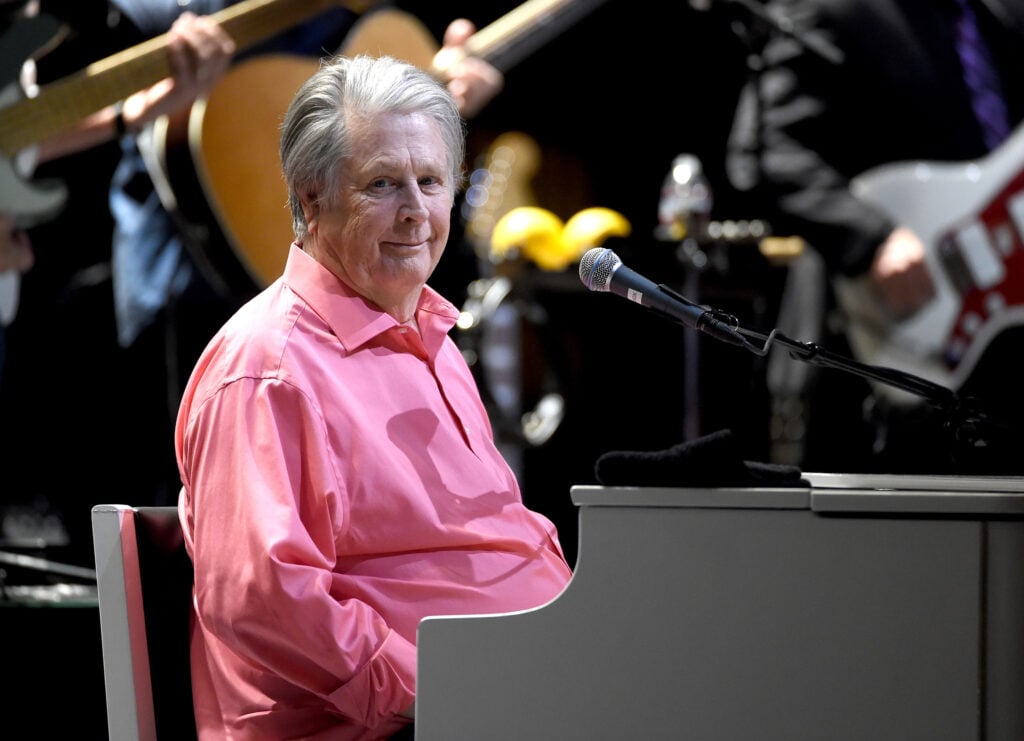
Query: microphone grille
{"type": "Point", "coordinates": [596, 268]}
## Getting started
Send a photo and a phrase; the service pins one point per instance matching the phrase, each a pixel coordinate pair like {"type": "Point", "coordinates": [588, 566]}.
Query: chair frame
{"type": "Point", "coordinates": [144, 585]}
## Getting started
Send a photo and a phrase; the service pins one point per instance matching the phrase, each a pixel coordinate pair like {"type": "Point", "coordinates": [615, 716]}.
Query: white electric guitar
{"type": "Point", "coordinates": [970, 216]}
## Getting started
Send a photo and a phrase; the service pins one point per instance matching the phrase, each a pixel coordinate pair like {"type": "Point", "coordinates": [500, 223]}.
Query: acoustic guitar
{"type": "Point", "coordinates": [228, 187]}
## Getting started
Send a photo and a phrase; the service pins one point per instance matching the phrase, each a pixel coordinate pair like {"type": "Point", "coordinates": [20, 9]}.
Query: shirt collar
{"type": "Point", "coordinates": [351, 317]}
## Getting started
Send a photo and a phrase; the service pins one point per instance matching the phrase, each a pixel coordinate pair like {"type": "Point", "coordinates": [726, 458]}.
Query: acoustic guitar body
{"type": "Point", "coordinates": [233, 144]}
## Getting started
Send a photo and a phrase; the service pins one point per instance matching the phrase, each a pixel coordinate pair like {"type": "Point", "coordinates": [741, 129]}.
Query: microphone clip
{"type": "Point", "coordinates": [720, 325]}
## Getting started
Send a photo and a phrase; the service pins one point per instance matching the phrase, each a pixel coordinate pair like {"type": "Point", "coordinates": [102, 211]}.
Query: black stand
{"type": "Point", "coordinates": [976, 433]}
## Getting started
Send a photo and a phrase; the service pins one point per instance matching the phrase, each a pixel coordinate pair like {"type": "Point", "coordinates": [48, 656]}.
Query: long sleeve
{"type": "Point", "coordinates": [266, 548]}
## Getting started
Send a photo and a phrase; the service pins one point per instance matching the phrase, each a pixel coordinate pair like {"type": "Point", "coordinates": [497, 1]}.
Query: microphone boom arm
{"type": "Point", "coordinates": [726, 327]}
{"type": "Point", "coordinates": [973, 428]}
{"type": "Point", "coordinates": [814, 354]}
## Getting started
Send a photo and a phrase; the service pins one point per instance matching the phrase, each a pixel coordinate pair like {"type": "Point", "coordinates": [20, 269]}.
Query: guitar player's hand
{"type": "Point", "coordinates": [15, 248]}
{"type": "Point", "coordinates": [200, 53]}
{"type": "Point", "coordinates": [472, 81]}
{"type": "Point", "coordinates": [899, 274]}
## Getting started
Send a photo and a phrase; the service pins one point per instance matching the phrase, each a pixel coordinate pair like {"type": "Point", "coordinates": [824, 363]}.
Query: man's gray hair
{"type": "Point", "coordinates": [316, 132]}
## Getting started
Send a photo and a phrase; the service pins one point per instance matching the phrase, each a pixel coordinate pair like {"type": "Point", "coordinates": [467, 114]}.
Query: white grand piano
{"type": "Point", "coordinates": [860, 608]}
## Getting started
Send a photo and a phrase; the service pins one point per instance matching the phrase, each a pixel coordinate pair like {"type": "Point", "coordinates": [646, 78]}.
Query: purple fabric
{"type": "Point", "coordinates": [981, 78]}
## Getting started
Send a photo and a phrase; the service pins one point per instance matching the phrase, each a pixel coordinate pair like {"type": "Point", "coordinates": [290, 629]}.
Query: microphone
{"type": "Point", "coordinates": [601, 270]}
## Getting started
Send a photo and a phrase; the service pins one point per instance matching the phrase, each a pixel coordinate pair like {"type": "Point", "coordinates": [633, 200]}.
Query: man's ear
{"type": "Point", "coordinates": [310, 205]}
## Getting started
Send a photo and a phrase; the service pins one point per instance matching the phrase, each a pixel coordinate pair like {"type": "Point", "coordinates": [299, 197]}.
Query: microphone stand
{"type": "Point", "coordinates": [971, 426]}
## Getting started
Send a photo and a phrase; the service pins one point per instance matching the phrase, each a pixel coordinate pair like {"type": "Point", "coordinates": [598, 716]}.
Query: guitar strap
{"type": "Point", "coordinates": [157, 169]}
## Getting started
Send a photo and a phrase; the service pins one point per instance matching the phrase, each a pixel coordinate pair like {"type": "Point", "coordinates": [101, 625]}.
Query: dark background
{"type": "Point", "coordinates": [610, 101]}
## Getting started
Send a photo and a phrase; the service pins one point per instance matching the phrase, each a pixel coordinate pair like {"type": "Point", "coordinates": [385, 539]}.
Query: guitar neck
{"type": "Point", "coordinates": [521, 31]}
{"type": "Point", "coordinates": [62, 104]}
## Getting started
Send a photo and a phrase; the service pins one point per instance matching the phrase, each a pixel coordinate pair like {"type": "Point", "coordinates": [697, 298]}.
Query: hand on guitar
{"type": "Point", "coordinates": [199, 51]}
{"type": "Point", "coordinates": [472, 81]}
{"type": "Point", "coordinates": [899, 274]}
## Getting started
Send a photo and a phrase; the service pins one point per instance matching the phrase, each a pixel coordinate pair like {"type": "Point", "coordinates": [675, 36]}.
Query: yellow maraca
{"type": "Point", "coordinates": [540, 236]}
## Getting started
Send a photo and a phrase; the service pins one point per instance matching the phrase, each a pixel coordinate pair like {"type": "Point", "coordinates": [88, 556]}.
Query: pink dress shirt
{"type": "Point", "coordinates": [341, 482]}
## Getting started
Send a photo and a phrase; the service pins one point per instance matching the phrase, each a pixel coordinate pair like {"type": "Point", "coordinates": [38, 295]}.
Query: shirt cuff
{"type": "Point", "coordinates": [383, 688]}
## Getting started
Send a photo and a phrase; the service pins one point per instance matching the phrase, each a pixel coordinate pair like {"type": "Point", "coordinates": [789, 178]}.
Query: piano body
{"type": "Point", "coordinates": [862, 607]}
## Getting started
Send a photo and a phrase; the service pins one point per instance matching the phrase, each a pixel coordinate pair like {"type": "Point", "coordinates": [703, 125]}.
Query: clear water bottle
{"type": "Point", "coordinates": [684, 209]}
